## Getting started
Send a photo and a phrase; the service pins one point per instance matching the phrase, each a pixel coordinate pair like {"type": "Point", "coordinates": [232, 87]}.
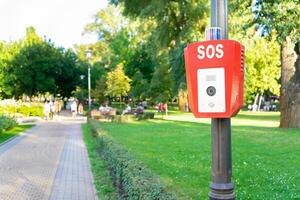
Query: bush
{"type": "Point", "coordinates": [23, 109]}
{"type": "Point", "coordinates": [145, 116]}
{"type": "Point", "coordinates": [32, 110]}
{"type": "Point", "coordinates": [6, 123]}
{"type": "Point", "coordinates": [125, 118]}
{"type": "Point", "coordinates": [132, 179]}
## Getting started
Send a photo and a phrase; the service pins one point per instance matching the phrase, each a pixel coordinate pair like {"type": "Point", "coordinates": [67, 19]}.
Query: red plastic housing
{"type": "Point", "coordinates": [202, 60]}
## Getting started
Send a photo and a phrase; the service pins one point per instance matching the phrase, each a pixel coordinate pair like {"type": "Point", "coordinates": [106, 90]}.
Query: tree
{"type": "Point", "coordinates": [175, 23]}
{"type": "Point", "coordinates": [262, 70]}
{"type": "Point", "coordinates": [283, 17]}
{"type": "Point", "coordinates": [7, 52]}
{"type": "Point", "coordinates": [37, 66]}
{"type": "Point", "coordinates": [175, 20]}
{"type": "Point", "coordinates": [160, 87]}
{"type": "Point", "coordinates": [140, 86]}
{"type": "Point", "coordinates": [99, 93]}
{"type": "Point", "coordinates": [118, 84]}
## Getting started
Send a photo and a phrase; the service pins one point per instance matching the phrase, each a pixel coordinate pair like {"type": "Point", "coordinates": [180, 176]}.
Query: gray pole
{"type": "Point", "coordinates": [221, 185]}
{"type": "Point", "coordinates": [89, 86]}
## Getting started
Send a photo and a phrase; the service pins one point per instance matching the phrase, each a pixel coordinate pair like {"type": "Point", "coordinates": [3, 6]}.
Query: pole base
{"type": "Point", "coordinates": [221, 191]}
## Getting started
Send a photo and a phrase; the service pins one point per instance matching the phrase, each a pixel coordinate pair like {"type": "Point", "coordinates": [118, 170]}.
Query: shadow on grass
{"type": "Point", "coordinates": [261, 116]}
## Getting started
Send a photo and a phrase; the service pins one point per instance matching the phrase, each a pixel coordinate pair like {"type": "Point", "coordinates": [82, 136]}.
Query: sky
{"type": "Point", "coordinates": [62, 21]}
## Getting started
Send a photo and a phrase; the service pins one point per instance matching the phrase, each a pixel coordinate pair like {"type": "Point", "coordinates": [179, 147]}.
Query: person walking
{"type": "Point", "coordinates": [80, 109]}
{"type": "Point", "coordinates": [74, 109]}
{"type": "Point", "coordinates": [51, 105]}
{"type": "Point", "coordinates": [46, 110]}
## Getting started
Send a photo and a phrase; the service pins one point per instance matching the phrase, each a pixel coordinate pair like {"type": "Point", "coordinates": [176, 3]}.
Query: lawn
{"type": "Point", "coordinates": [13, 132]}
{"type": "Point", "coordinates": [265, 159]}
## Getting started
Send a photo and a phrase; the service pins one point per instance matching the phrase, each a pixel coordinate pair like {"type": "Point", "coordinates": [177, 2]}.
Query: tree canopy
{"type": "Point", "coordinates": [34, 66]}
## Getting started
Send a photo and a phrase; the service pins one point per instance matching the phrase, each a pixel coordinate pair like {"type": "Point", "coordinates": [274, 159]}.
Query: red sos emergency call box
{"type": "Point", "coordinates": [215, 78]}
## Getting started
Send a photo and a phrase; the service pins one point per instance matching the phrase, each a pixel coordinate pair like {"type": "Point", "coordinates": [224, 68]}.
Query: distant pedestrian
{"type": "Point", "coordinates": [56, 107]}
{"type": "Point", "coordinates": [46, 110]}
{"type": "Point", "coordinates": [186, 106]}
{"type": "Point", "coordinates": [80, 109]}
{"type": "Point", "coordinates": [51, 104]}
{"type": "Point", "coordinates": [74, 109]}
{"type": "Point", "coordinates": [127, 110]}
{"type": "Point", "coordinates": [139, 109]}
{"type": "Point", "coordinates": [165, 108]}
{"type": "Point", "coordinates": [159, 107]}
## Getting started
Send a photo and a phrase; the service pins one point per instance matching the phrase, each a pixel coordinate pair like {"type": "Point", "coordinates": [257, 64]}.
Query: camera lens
{"type": "Point", "coordinates": [211, 90]}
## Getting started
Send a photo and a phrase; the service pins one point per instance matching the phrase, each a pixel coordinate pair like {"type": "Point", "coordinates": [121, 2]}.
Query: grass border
{"type": "Point", "coordinates": [14, 133]}
{"type": "Point", "coordinates": [102, 179]}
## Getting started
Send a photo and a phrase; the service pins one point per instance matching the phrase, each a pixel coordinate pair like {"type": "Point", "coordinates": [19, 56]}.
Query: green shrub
{"type": "Point", "coordinates": [32, 110]}
{"type": "Point", "coordinates": [132, 179]}
{"type": "Point", "coordinates": [145, 116]}
{"type": "Point", "coordinates": [125, 118]}
{"type": "Point", "coordinates": [8, 110]}
{"type": "Point", "coordinates": [6, 123]}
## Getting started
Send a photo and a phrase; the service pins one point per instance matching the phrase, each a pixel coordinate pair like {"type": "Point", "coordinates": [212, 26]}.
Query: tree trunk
{"type": "Point", "coordinates": [254, 106]}
{"type": "Point", "coordinates": [290, 86]}
{"type": "Point", "coordinates": [260, 101]}
{"type": "Point", "coordinates": [182, 100]}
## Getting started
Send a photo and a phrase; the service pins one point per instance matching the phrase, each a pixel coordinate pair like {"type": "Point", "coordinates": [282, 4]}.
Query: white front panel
{"type": "Point", "coordinates": [211, 90]}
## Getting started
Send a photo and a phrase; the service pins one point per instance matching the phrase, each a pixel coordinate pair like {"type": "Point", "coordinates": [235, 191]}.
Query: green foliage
{"type": "Point", "coordinates": [145, 116]}
{"type": "Point", "coordinates": [133, 180]}
{"type": "Point", "coordinates": [279, 16]}
{"type": "Point", "coordinates": [23, 109]}
{"type": "Point", "coordinates": [175, 20]}
{"type": "Point", "coordinates": [118, 84]}
{"type": "Point", "coordinates": [262, 70]}
{"type": "Point", "coordinates": [34, 66]}
{"type": "Point", "coordinates": [142, 62]}
{"type": "Point", "coordinates": [140, 86]}
{"type": "Point", "coordinates": [178, 69]}
{"type": "Point", "coordinates": [107, 23]}
{"type": "Point", "coordinates": [103, 182]}
{"type": "Point", "coordinates": [6, 123]}
{"type": "Point", "coordinates": [119, 118]}
{"type": "Point", "coordinates": [160, 88]}
{"type": "Point", "coordinates": [32, 110]}
{"type": "Point", "coordinates": [6, 135]}
{"type": "Point", "coordinates": [99, 93]}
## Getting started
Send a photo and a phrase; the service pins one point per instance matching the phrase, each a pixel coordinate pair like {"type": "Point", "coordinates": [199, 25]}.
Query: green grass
{"type": "Point", "coordinates": [102, 179]}
{"type": "Point", "coordinates": [262, 119]}
{"type": "Point", "coordinates": [266, 160]}
{"type": "Point", "coordinates": [5, 135]}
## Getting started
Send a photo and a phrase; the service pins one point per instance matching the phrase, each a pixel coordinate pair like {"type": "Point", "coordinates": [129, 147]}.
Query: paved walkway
{"type": "Point", "coordinates": [47, 162]}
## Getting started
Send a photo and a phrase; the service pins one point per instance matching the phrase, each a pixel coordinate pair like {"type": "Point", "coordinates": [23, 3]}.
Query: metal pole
{"type": "Point", "coordinates": [221, 185]}
{"type": "Point", "coordinates": [89, 87]}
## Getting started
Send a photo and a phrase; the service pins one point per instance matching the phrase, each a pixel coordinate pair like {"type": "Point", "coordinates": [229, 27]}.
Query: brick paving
{"type": "Point", "coordinates": [47, 162]}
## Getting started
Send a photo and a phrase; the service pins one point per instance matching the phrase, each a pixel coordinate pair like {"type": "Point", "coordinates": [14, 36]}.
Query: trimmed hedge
{"type": "Point", "coordinates": [132, 179]}
{"type": "Point", "coordinates": [145, 116]}
{"type": "Point", "coordinates": [125, 118]}
{"type": "Point", "coordinates": [6, 123]}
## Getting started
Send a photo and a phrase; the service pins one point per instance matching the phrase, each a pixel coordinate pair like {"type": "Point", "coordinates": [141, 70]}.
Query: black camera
{"type": "Point", "coordinates": [211, 91]}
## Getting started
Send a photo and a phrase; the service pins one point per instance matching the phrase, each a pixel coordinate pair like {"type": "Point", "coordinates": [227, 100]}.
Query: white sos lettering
{"type": "Point", "coordinates": [210, 51]}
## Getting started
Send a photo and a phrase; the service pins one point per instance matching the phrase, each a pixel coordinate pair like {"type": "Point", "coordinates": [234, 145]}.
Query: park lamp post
{"type": "Point", "coordinates": [88, 57]}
